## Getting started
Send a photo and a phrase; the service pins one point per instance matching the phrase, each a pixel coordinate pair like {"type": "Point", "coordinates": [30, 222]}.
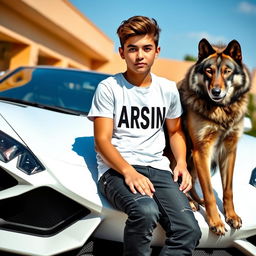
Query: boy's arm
{"type": "Point", "coordinates": [178, 146]}
{"type": "Point", "coordinates": [103, 130]}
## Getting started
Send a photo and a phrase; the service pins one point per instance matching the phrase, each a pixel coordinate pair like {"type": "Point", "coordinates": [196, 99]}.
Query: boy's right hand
{"type": "Point", "coordinates": [138, 183]}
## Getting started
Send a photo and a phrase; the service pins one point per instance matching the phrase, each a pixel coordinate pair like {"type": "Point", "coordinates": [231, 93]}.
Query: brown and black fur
{"type": "Point", "coordinates": [214, 97]}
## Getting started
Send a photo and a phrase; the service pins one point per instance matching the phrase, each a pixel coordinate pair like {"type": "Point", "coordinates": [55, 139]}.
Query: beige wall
{"type": "Point", "coordinates": [61, 38]}
{"type": "Point", "coordinates": [253, 90]}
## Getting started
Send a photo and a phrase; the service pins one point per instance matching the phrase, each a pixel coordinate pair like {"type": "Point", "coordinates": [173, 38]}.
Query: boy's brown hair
{"type": "Point", "coordinates": [138, 25]}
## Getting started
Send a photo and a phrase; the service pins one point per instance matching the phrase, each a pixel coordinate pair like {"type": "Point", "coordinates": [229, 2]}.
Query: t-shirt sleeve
{"type": "Point", "coordinates": [102, 102]}
{"type": "Point", "coordinates": [175, 109]}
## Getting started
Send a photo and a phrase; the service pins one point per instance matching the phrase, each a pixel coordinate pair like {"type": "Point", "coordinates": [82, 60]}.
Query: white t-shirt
{"type": "Point", "coordinates": [138, 114]}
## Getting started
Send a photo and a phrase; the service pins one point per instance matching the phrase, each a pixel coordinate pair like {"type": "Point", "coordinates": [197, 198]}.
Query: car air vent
{"type": "Point", "coordinates": [42, 211]}
{"type": "Point", "coordinates": [6, 180]}
{"type": "Point", "coordinates": [253, 178]}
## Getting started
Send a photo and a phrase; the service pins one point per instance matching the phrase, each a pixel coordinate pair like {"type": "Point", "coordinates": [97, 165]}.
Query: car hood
{"type": "Point", "coordinates": [51, 134]}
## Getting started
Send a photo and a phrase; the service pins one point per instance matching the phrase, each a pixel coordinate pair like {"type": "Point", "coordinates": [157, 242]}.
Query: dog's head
{"type": "Point", "coordinates": [219, 71]}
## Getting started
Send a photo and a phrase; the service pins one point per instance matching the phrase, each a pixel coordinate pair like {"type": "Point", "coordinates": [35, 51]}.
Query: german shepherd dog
{"type": "Point", "coordinates": [214, 95]}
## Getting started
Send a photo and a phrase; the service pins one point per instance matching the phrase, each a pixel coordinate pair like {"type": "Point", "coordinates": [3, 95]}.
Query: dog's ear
{"type": "Point", "coordinates": [204, 49]}
{"type": "Point", "coordinates": [233, 50]}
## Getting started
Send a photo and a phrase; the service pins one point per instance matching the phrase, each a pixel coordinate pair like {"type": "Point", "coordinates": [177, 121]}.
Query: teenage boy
{"type": "Point", "coordinates": [129, 111]}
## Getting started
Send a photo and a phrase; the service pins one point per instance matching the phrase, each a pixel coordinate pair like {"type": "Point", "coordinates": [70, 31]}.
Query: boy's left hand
{"type": "Point", "coordinates": [186, 183]}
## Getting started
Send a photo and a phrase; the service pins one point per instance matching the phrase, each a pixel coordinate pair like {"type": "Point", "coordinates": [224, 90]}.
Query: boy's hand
{"type": "Point", "coordinates": [186, 183]}
{"type": "Point", "coordinates": [138, 183]}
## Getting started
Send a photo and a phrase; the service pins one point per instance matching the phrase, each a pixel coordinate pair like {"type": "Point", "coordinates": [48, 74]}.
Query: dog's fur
{"type": "Point", "coordinates": [214, 96]}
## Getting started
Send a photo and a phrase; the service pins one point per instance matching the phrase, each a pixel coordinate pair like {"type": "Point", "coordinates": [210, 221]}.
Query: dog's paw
{"type": "Point", "coordinates": [217, 227]}
{"type": "Point", "coordinates": [234, 222]}
{"type": "Point", "coordinates": [219, 230]}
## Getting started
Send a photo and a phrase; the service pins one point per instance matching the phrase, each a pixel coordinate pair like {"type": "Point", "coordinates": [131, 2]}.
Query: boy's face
{"type": "Point", "coordinates": [139, 52]}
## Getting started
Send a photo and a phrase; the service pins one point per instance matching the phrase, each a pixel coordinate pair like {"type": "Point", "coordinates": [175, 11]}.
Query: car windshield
{"type": "Point", "coordinates": [51, 87]}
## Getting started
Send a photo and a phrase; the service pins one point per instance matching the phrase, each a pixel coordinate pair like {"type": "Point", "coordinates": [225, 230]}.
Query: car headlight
{"type": "Point", "coordinates": [10, 149]}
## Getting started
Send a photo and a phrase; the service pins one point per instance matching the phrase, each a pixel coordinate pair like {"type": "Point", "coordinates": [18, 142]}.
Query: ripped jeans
{"type": "Point", "coordinates": [169, 207]}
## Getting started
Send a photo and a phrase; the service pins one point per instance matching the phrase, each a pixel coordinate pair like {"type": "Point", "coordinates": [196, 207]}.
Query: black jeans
{"type": "Point", "coordinates": [169, 207]}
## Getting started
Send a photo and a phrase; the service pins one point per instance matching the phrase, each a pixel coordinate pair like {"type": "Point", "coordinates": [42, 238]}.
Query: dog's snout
{"type": "Point", "coordinates": [216, 91]}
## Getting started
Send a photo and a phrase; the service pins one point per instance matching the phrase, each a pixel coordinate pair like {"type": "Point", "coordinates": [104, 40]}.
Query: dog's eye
{"type": "Point", "coordinates": [209, 71]}
{"type": "Point", "coordinates": [227, 71]}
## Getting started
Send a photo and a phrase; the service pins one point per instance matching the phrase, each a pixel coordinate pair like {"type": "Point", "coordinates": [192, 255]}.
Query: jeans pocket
{"type": "Point", "coordinates": [110, 185]}
{"type": "Point", "coordinates": [102, 183]}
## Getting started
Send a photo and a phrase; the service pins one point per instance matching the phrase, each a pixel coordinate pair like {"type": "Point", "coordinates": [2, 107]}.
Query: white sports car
{"type": "Point", "coordinates": [49, 202]}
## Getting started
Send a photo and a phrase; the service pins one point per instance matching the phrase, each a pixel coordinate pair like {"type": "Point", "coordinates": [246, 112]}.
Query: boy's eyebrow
{"type": "Point", "coordinates": [134, 45]}
{"type": "Point", "coordinates": [131, 45]}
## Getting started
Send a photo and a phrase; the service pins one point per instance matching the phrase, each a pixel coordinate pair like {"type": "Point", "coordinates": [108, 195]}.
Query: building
{"type": "Point", "coordinates": [253, 90]}
{"type": "Point", "coordinates": [31, 33]}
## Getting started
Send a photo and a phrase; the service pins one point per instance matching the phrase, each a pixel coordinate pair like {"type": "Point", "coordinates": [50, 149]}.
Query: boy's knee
{"type": "Point", "coordinates": [146, 210]}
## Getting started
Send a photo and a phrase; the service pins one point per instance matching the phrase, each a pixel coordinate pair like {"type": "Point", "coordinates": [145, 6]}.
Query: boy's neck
{"type": "Point", "coordinates": [140, 80]}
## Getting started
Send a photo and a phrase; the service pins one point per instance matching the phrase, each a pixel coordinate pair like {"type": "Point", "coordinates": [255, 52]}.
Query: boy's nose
{"type": "Point", "coordinates": [140, 54]}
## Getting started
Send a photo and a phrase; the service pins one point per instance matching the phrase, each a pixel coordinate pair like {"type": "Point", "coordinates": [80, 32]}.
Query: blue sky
{"type": "Point", "coordinates": [183, 22]}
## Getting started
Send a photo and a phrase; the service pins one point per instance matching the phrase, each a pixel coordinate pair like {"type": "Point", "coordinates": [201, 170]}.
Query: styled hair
{"type": "Point", "coordinates": [138, 25]}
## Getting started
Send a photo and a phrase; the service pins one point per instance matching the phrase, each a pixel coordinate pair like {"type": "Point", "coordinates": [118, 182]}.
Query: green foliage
{"type": "Point", "coordinates": [189, 57]}
{"type": "Point", "coordinates": [252, 114]}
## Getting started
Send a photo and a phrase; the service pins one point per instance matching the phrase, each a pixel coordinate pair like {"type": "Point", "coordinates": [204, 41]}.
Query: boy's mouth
{"type": "Point", "coordinates": [140, 64]}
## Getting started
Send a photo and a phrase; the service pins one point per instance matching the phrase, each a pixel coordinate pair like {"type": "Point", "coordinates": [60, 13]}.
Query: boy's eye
{"type": "Point", "coordinates": [148, 49]}
{"type": "Point", "coordinates": [131, 49]}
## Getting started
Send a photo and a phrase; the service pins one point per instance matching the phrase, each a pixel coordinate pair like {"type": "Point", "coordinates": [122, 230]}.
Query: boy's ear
{"type": "Point", "coordinates": [121, 52]}
{"type": "Point", "coordinates": [157, 51]}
